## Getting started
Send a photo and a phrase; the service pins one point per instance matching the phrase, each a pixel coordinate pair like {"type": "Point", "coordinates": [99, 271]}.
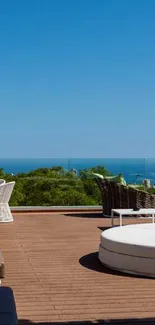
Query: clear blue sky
{"type": "Point", "coordinates": [77, 78]}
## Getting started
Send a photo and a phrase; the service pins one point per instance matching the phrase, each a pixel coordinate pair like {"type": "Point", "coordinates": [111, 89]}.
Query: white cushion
{"type": "Point", "coordinates": [128, 264]}
{"type": "Point", "coordinates": [132, 240]}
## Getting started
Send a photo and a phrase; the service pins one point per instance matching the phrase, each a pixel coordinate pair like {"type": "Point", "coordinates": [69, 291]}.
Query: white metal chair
{"type": "Point", "coordinates": [5, 194]}
{"type": "Point", "coordinates": [2, 181]}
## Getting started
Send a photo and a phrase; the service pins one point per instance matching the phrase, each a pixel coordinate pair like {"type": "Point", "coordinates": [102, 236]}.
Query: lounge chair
{"type": "Point", "coordinates": [5, 194]}
{"type": "Point", "coordinates": [2, 269]}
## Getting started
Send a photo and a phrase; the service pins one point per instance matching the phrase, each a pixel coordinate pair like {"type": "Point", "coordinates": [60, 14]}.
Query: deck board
{"type": "Point", "coordinates": [52, 266]}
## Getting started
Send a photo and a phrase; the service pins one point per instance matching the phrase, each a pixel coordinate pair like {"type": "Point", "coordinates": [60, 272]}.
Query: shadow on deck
{"type": "Point", "coordinates": [86, 215]}
{"type": "Point", "coordinates": [132, 321]}
{"type": "Point", "coordinates": [91, 262]}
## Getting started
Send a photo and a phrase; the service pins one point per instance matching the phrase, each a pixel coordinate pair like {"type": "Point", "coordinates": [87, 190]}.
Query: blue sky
{"type": "Point", "coordinates": [77, 78]}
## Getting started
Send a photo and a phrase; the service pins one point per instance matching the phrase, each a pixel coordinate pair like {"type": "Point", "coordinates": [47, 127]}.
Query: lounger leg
{"type": "Point", "coordinates": [153, 218]}
{"type": "Point", "coordinates": [5, 213]}
{"type": "Point", "coordinates": [120, 220]}
{"type": "Point", "coordinates": [112, 218]}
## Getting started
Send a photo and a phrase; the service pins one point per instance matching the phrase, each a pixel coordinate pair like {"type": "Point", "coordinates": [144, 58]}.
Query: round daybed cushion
{"type": "Point", "coordinates": [136, 240]}
{"type": "Point", "coordinates": [129, 249]}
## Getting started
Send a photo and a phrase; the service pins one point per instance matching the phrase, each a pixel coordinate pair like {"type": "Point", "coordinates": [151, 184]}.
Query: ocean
{"type": "Point", "coordinates": [134, 170]}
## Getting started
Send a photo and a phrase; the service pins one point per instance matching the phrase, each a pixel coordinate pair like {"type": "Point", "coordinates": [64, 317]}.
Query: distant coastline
{"type": "Point", "coordinates": [134, 170]}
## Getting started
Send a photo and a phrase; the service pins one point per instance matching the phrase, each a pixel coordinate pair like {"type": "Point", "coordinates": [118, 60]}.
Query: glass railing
{"type": "Point", "coordinates": [134, 169]}
{"type": "Point", "coordinates": [35, 185]}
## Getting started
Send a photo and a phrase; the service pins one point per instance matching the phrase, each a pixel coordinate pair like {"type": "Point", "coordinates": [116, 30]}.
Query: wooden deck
{"type": "Point", "coordinates": [52, 266]}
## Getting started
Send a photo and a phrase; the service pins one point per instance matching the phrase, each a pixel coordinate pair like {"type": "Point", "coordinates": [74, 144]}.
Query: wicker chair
{"type": "Point", "coordinates": [117, 196]}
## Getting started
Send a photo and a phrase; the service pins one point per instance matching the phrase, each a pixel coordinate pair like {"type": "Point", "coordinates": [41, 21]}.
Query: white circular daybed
{"type": "Point", "coordinates": [129, 249]}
